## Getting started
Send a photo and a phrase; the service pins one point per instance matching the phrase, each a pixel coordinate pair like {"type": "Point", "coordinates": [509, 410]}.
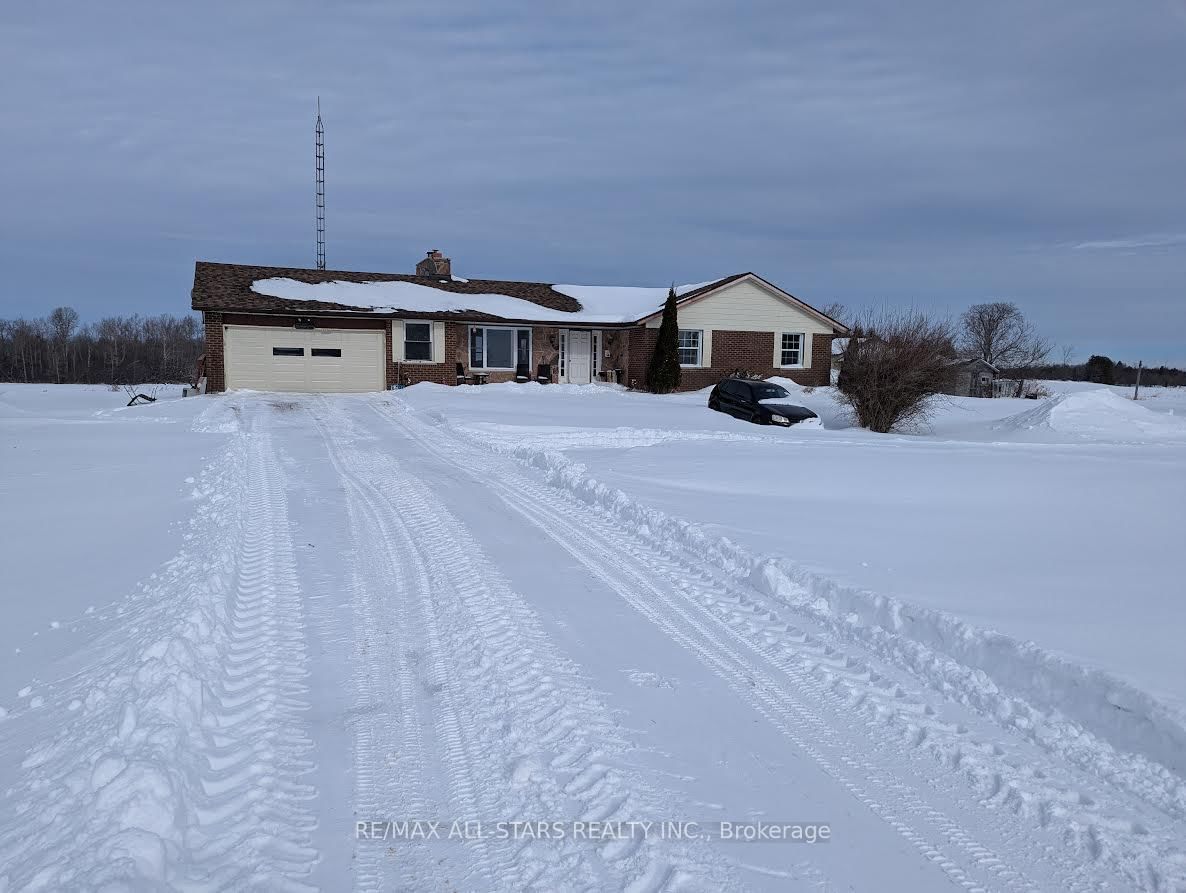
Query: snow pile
{"type": "Point", "coordinates": [619, 438]}
{"type": "Point", "coordinates": [599, 304]}
{"type": "Point", "coordinates": [1098, 414]}
{"type": "Point", "coordinates": [176, 732]}
{"type": "Point", "coordinates": [822, 401]}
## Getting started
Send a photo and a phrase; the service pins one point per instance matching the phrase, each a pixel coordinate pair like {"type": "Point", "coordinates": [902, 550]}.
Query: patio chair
{"type": "Point", "coordinates": [544, 373]}
{"type": "Point", "coordinates": [522, 372]}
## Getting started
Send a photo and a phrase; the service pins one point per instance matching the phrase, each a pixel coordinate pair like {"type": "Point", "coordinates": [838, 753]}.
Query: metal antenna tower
{"type": "Point", "coordinates": [319, 156]}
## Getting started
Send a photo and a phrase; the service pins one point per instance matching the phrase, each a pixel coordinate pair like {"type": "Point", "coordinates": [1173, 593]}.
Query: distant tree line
{"type": "Point", "coordinates": [1104, 370]}
{"type": "Point", "coordinates": [116, 350]}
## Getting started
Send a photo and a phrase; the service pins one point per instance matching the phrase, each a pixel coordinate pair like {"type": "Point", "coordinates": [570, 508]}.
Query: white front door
{"type": "Point", "coordinates": [580, 357]}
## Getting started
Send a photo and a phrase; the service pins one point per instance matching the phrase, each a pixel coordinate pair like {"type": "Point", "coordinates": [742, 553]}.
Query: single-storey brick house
{"type": "Point", "coordinates": [281, 329]}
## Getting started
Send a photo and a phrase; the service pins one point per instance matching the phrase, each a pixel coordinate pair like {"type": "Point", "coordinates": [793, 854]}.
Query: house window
{"type": "Point", "coordinates": [563, 358]}
{"type": "Point", "coordinates": [497, 348]}
{"type": "Point", "coordinates": [288, 351]}
{"type": "Point", "coordinates": [689, 347]}
{"type": "Point", "coordinates": [326, 351]}
{"type": "Point", "coordinates": [790, 352]}
{"type": "Point", "coordinates": [418, 342]}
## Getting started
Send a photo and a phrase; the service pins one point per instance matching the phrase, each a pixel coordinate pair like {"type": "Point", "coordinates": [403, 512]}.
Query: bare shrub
{"type": "Point", "coordinates": [895, 362]}
{"type": "Point", "coordinates": [743, 373]}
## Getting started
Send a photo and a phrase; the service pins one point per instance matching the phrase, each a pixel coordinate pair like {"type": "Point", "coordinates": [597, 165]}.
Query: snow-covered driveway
{"type": "Point", "coordinates": [377, 618]}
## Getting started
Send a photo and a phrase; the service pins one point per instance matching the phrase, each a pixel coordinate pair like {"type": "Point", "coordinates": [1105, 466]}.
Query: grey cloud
{"type": "Point", "coordinates": [932, 152]}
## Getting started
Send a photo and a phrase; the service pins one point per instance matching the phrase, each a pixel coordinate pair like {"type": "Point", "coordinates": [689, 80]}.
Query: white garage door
{"type": "Point", "coordinates": [266, 358]}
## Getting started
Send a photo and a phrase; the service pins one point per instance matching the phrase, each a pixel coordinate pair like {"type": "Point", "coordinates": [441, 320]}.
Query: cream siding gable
{"type": "Point", "coordinates": [746, 306]}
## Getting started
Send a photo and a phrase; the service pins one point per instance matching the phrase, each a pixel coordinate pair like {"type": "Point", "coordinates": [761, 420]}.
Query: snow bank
{"type": "Point", "coordinates": [1096, 720]}
{"type": "Point", "coordinates": [1098, 414]}
{"type": "Point", "coordinates": [599, 303]}
{"type": "Point", "coordinates": [822, 401]}
{"type": "Point", "coordinates": [184, 737]}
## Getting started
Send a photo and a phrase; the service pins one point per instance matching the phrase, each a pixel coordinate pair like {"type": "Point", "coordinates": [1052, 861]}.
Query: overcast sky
{"type": "Point", "coordinates": [926, 153]}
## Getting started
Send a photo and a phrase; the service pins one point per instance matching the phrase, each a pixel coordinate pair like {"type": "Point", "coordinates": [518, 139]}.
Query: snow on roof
{"type": "Point", "coordinates": [599, 303]}
{"type": "Point", "coordinates": [623, 303]}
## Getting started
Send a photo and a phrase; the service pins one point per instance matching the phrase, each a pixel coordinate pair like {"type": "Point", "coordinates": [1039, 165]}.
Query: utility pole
{"type": "Point", "coordinates": [1136, 391]}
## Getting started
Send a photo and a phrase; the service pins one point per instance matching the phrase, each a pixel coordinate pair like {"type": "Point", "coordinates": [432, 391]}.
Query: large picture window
{"type": "Point", "coordinates": [690, 347]}
{"type": "Point", "coordinates": [498, 348]}
{"type": "Point", "coordinates": [418, 342]}
{"type": "Point", "coordinates": [790, 350]}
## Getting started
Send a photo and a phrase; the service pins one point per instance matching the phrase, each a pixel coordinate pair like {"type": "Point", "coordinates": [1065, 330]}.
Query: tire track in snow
{"type": "Point", "coordinates": [522, 737]}
{"type": "Point", "coordinates": [706, 605]}
{"type": "Point", "coordinates": [385, 718]}
{"type": "Point", "coordinates": [1104, 826]}
{"type": "Point", "coordinates": [394, 591]}
{"type": "Point", "coordinates": [181, 763]}
{"type": "Point", "coordinates": [1110, 828]}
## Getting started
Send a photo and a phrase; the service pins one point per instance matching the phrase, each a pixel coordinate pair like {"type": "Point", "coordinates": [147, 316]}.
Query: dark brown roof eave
{"type": "Point", "coordinates": [451, 316]}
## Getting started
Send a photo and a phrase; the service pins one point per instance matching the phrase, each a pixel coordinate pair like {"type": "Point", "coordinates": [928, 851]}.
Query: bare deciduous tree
{"type": "Point", "coordinates": [836, 311]}
{"type": "Point", "coordinates": [895, 362]}
{"type": "Point", "coordinates": [61, 329]}
{"type": "Point", "coordinates": [999, 333]}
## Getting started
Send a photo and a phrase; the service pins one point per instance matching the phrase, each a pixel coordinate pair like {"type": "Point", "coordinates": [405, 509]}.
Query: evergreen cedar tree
{"type": "Point", "coordinates": [1100, 370]}
{"type": "Point", "coordinates": [663, 373]}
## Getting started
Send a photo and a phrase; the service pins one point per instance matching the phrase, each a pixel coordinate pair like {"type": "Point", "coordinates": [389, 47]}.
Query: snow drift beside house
{"type": "Point", "coordinates": [599, 303]}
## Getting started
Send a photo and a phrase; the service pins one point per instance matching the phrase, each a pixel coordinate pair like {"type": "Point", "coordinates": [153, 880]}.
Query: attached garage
{"type": "Point", "coordinates": [274, 358]}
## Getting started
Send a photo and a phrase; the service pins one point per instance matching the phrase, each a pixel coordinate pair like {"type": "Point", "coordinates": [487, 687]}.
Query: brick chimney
{"type": "Point", "coordinates": [436, 264]}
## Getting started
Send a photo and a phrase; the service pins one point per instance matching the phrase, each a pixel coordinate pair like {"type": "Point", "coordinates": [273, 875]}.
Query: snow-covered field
{"type": "Point", "coordinates": [239, 626]}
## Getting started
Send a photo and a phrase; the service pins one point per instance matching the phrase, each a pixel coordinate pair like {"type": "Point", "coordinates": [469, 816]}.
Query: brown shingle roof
{"type": "Point", "coordinates": [227, 287]}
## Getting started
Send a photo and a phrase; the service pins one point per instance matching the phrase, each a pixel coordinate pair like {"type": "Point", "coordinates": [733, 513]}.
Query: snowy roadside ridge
{"type": "Point", "coordinates": [180, 762]}
{"type": "Point", "coordinates": [1100, 723]}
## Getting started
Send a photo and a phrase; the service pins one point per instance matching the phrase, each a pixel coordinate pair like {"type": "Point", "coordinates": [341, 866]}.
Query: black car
{"type": "Point", "coordinates": [759, 402]}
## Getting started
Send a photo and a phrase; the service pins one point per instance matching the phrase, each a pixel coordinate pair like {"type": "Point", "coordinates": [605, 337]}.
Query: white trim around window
{"type": "Point", "coordinates": [690, 345]}
{"type": "Point", "coordinates": [496, 344]}
{"type": "Point", "coordinates": [418, 340]}
{"type": "Point", "coordinates": [791, 350]}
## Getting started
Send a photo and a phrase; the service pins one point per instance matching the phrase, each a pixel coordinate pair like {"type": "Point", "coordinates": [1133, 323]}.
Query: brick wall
{"type": "Point", "coordinates": [748, 351]}
{"type": "Point", "coordinates": [215, 368]}
{"type": "Point", "coordinates": [640, 344]}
